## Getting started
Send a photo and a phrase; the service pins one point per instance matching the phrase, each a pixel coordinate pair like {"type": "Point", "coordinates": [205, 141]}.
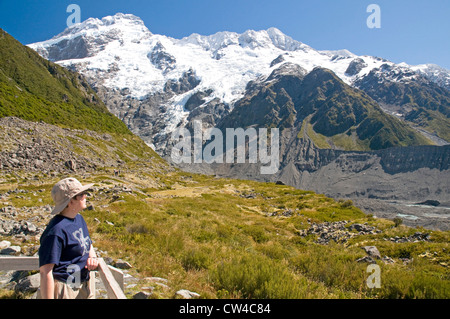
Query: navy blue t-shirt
{"type": "Point", "coordinates": [66, 243]}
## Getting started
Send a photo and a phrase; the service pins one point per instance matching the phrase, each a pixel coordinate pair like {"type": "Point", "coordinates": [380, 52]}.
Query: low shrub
{"type": "Point", "coordinates": [196, 259]}
{"type": "Point", "coordinates": [257, 276]}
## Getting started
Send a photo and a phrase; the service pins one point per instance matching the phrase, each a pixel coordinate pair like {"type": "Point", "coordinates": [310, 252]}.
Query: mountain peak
{"type": "Point", "coordinates": [272, 36]}
{"type": "Point", "coordinates": [251, 39]}
{"type": "Point", "coordinates": [91, 36]}
{"type": "Point", "coordinates": [283, 41]}
{"type": "Point", "coordinates": [122, 17]}
{"type": "Point", "coordinates": [92, 26]}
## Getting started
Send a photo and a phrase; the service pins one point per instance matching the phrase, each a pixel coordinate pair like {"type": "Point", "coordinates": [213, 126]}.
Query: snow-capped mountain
{"type": "Point", "coordinates": [433, 72]}
{"type": "Point", "coordinates": [148, 79]}
{"type": "Point", "coordinates": [143, 62]}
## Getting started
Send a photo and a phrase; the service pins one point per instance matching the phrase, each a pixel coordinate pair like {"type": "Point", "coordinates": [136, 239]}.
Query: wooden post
{"type": "Point", "coordinates": [92, 284]}
{"type": "Point", "coordinates": [112, 287]}
{"type": "Point", "coordinates": [118, 275]}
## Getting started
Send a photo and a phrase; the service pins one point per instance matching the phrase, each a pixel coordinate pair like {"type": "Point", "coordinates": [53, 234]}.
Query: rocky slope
{"type": "Point", "coordinates": [51, 121]}
{"type": "Point", "coordinates": [41, 148]}
{"type": "Point", "coordinates": [386, 182]}
{"type": "Point", "coordinates": [288, 99]}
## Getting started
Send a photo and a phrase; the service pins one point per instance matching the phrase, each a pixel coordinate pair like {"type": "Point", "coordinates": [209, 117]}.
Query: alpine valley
{"type": "Point", "coordinates": [351, 126]}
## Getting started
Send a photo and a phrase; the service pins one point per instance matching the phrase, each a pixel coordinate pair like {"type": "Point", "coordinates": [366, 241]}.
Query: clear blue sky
{"type": "Point", "coordinates": [412, 31]}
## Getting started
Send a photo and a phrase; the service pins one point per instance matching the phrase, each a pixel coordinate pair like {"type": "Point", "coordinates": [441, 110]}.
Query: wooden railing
{"type": "Point", "coordinates": [111, 277]}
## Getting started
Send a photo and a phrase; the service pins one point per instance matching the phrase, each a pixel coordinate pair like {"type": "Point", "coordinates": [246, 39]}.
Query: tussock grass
{"type": "Point", "coordinates": [223, 244]}
{"type": "Point", "coordinates": [226, 238]}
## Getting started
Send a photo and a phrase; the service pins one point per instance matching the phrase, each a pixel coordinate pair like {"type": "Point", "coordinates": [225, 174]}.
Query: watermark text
{"type": "Point", "coordinates": [191, 149]}
{"type": "Point", "coordinates": [374, 19]}
{"type": "Point", "coordinates": [75, 17]}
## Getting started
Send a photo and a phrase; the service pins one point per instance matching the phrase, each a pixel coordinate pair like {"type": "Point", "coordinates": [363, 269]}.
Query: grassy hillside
{"type": "Point", "coordinates": [349, 118]}
{"type": "Point", "coordinates": [427, 105]}
{"type": "Point", "coordinates": [238, 239]}
{"type": "Point", "coordinates": [227, 238]}
{"type": "Point", "coordinates": [33, 89]}
{"type": "Point", "coordinates": [36, 89]}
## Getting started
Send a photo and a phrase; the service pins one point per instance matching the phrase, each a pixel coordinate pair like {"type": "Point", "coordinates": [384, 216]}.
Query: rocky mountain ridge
{"type": "Point", "coordinates": [148, 95]}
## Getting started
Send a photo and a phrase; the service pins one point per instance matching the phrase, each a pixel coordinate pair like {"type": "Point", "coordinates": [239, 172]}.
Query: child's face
{"type": "Point", "coordinates": [79, 202]}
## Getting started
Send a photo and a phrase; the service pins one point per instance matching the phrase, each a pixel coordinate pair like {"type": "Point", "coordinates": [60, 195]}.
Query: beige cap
{"type": "Point", "coordinates": [64, 191]}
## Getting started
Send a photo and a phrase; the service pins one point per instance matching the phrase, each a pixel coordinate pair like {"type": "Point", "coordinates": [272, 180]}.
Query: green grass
{"type": "Point", "coordinates": [201, 234]}
{"type": "Point", "coordinates": [319, 140]}
{"type": "Point", "coordinates": [224, 246]}
{"type": "Point", "coordinates": [349, 141]}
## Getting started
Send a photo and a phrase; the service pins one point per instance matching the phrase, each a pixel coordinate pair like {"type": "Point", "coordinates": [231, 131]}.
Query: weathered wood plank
{"type": "Point", "coordinates": [92, 284]}
{"type": "Point", "coordinates": [117, 274]}
{"type": "Point", "coordinates": [112, 287]}
{"type": "Point", "coordinates": [19, 263]}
